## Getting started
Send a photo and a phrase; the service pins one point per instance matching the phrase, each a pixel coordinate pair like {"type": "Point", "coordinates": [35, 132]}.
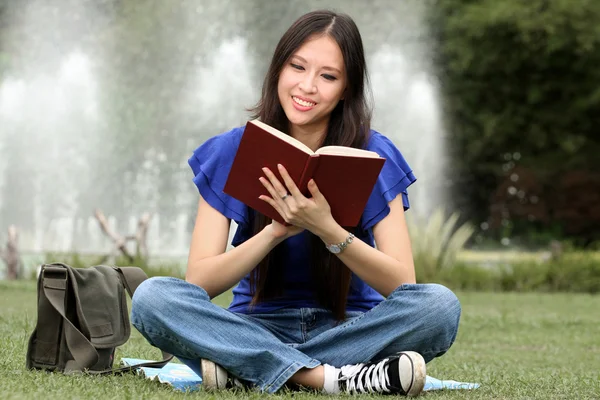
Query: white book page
{"type": "Point", "coordinates": [275, 132]}
{"type": "Point", "coordinates": [346, 151]}
{"type": "Point", "coordinates": [327, 150]}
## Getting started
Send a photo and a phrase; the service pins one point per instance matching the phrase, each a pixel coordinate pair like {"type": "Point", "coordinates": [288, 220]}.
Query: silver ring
{"type": "Point", "coordinates": [285, 196]}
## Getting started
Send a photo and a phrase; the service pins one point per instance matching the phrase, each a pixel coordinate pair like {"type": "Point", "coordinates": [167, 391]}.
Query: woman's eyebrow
{"type": "Point", "coordinates": [302, 59]}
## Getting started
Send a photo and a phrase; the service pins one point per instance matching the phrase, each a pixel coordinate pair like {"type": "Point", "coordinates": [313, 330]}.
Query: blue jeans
{"type": "Point", "coordinates": [267, 349]}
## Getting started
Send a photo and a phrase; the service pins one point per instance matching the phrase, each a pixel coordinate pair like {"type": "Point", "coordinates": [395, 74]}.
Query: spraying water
{"type": "Point", "coordinates": [105, 101]}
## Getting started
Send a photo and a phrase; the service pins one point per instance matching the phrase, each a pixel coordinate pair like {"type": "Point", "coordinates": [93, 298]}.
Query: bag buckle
{"type": "Point", "coordinates": [54, 277]}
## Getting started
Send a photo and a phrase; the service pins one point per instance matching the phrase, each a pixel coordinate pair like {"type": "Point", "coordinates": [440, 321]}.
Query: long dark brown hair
{"type": "Point", "coordinates": [349, 125]}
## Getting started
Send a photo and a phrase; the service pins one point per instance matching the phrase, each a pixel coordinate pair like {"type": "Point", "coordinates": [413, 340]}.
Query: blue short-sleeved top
{"type": "Point", "coordinates": [211, 163]}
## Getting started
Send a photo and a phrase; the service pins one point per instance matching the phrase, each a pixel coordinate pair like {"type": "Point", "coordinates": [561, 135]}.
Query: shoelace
{"type": "Point", "coordinates": [366, 379]}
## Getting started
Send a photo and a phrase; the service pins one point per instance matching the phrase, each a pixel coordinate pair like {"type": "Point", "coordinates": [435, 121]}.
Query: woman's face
{"type": "Point", "coordinates": [311, 84]}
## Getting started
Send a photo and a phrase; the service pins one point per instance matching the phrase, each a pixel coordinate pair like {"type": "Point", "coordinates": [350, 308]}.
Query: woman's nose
{"type": "Point", "coordinates": [308, 84]}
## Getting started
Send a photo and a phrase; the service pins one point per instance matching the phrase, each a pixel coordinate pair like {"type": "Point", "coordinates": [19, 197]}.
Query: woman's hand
{"type": "Point", "coordinates": [281, 232]}
{"type": "Point", "coordinates": [313, 214]}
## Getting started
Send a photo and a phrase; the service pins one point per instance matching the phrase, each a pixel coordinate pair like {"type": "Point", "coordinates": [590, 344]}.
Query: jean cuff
{"type": "Point", "coordinates": [287, 374]}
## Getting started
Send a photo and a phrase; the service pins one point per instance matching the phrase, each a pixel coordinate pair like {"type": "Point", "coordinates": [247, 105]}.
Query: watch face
{"type": "Point", "coordinates": [334, 248]}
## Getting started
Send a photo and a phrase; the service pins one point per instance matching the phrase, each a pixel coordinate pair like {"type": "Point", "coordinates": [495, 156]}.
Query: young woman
{"type": "Point", "coordinates": [304, 313]}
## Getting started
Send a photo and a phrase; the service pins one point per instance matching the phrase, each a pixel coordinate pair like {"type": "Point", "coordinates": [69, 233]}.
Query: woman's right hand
{"type": "Point", "coordinates": [282, 232]}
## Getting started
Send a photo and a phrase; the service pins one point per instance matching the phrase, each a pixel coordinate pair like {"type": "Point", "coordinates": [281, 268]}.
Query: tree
{"type": "Point", "coordinates": [521, 91]}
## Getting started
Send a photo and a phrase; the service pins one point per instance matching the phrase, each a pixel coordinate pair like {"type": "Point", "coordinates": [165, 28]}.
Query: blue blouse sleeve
{"type": "Point", "coordinates": [210, 164]}
{"type": "Point", "coordinates": [395, 177]}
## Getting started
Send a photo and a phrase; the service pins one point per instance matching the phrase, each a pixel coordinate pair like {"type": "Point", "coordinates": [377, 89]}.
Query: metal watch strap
{"type": "Point", "coordinates": [338, 248]}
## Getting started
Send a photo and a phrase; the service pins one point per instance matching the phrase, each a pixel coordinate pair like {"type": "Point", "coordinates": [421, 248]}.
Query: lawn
{"type": "Point", "coordinates": [518, 346]}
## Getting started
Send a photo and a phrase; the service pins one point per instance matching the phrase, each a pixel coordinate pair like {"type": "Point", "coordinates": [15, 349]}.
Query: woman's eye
{"type": "Point", "coordinates": [329, 77]}
{"type": "Point", "coordinates": [296, 66]}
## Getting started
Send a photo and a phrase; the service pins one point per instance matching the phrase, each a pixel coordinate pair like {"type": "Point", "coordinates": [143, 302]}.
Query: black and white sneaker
{"type": "Point", "coordinates": [215, 377]}
{"type": "Point", "coordinates": [403, 374]}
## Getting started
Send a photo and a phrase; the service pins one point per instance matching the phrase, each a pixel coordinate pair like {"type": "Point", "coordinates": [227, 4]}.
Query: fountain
{"type": "Point", "coordinates": [105, 101]}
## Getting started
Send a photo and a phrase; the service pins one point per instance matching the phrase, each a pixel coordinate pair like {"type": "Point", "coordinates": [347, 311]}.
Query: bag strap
{"type": "Point", "coordinates": [131, 278]}
{"type": "Point", "coordinates": [55, 285]}
{"type": "Point", "coordinates": [131, 368]}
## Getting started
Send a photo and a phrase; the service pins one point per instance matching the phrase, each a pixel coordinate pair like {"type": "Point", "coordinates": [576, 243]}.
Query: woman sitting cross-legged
{"type": "Point", "coordinates": [314, 305]}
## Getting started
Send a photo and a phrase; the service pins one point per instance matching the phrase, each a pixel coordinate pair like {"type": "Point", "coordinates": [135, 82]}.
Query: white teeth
{"type": "Point", "coordinates": [303, 103]}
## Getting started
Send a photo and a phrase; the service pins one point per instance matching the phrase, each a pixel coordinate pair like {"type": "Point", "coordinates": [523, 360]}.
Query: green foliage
{"type": "Point", "coordinates": [573, 271]}
{"type": "Point", "coordinates": [436, 242]}
{"type": "Point", "coordinates": [520, 89]}
{"type": "Point", "coordinates": [78, 260]}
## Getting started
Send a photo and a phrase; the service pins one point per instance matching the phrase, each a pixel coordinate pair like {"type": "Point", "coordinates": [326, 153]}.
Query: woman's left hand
{"type": "Point", "coordinates": [313, 214]}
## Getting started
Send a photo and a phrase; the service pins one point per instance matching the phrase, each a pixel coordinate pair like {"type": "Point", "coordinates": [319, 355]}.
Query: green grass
{"type": "Point", "coordinates": [518, 346]}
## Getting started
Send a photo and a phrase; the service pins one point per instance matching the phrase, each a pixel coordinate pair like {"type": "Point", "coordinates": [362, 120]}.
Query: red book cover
{"type": "Point", "coordinates": [344, 175]}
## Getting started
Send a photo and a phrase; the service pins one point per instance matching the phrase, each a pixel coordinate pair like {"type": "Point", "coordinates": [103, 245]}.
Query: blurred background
{"type": "Point", "coordinates": [495, 105]}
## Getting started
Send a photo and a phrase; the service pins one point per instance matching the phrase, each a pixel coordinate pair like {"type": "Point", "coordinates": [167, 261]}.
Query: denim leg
{"type": "Point", "coordinates": [418, 317]}
{"type": "Point", "coordinates": [178, 317]}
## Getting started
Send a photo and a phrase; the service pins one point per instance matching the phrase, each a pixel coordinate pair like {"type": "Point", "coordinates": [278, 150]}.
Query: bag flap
{"type": "Point", "coordinates": [102, 305]}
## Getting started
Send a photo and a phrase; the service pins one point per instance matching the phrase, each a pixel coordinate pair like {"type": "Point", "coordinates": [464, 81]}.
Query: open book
{"type": "Point", "coordinates": [346, 176]}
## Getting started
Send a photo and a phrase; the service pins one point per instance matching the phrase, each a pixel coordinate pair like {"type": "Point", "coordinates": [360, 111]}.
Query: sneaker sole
{"type": "Point", "coordinates": [413, 372]}
{"type": "Point", "coordinates": [213, 375]}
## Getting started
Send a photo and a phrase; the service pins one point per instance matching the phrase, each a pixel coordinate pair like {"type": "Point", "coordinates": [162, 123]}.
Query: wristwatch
{"type": "Point", "coordinates": [338, 248]}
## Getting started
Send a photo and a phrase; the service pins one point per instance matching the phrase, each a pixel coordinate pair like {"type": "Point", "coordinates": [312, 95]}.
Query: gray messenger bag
{"type": "Point", "coordinates": [82, 317]}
